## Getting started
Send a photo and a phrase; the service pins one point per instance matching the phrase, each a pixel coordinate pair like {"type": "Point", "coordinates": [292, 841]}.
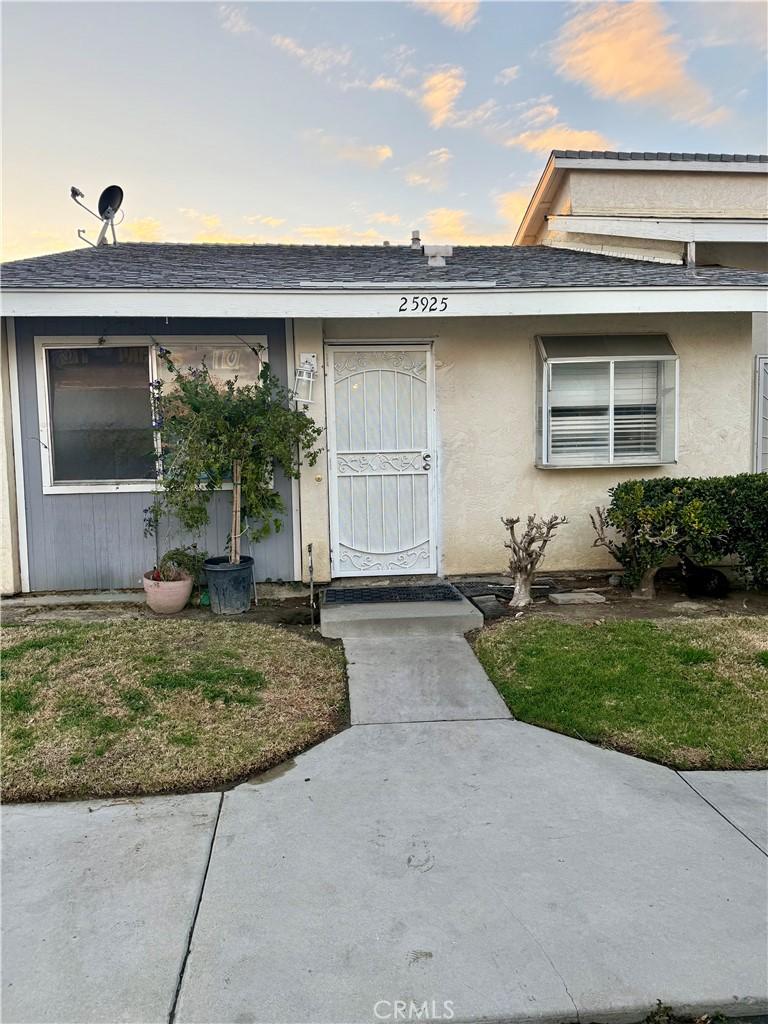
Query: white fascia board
{"type": "Point", "coordinates": [367, 304]}
{"type": "Point", "coordinates": [712, 166]}
{"type": "Point", "coordinates": [663, 228]}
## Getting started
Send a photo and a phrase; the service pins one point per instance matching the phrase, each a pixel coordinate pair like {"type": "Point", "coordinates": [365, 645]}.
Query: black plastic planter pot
{"type": "Point", "coordinates": [229, 586]}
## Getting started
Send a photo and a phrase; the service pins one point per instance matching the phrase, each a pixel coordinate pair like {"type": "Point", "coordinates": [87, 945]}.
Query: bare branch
{"type": "Point", "coordinates": [527, 550]}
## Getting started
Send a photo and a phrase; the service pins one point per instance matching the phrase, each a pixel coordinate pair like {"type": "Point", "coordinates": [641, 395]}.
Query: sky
{"type": "Point", "coordinates": [351, 122]}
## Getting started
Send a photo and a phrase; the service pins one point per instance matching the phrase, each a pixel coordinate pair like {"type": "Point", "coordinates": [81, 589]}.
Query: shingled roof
{"type": "Point", "coordinates": [214, 267]}
{"type": "Point", "coordinates": [710, 158]}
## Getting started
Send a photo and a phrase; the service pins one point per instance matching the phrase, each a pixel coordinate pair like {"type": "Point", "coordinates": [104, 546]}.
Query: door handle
{"type": "Point", "coordinates": [427, 459]}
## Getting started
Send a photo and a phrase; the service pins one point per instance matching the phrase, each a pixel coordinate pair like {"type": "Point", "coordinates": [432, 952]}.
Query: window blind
{"type": "Point", "coordinates": [579, 405]}
{"type": "Point", "coordinates": [635, 410]}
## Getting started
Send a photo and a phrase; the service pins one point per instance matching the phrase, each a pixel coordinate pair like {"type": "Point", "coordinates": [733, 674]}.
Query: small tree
{"type": "Point", "coordinates": [215, 433]}
{"type": "Point", "coordinates": [527, 551]}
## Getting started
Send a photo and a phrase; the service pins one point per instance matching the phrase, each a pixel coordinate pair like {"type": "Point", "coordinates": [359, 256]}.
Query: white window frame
{"type": "Point", "coordinates": [45, 434]}
{"type": "Point", "coordinates": [761, 380]}
{"type": "Point", "coordinates": [542, 457]}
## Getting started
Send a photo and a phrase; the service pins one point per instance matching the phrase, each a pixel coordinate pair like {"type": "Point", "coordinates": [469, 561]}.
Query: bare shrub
{"type": "Point", "coordinates": [526, 551]}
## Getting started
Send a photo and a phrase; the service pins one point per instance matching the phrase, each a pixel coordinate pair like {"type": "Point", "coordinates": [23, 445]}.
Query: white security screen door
{"type": "Point", "coordinates": [381, 460]}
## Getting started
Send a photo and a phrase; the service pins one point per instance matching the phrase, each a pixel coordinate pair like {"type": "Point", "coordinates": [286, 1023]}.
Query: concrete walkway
{"type": "Point", "coordinates": [437, 852]}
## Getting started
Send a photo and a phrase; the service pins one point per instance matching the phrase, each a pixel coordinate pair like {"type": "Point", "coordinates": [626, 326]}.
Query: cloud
{"type": "Point", "coordinates": [336, 234]}
{"type": "Point", "coordinates": [507, 75]}
{"type": "Point", "coordinates": [21, 244]}
{"type": "Point", "coordinates": [728, 24]}
{"type": "Point", "coordinates": [234, 19]}
{"type": "Point", "coordinates": [454, 227]}
{"type": "Point", "coordinates": [559, 136]}
{"type": "Point", "coordinates": [260, 218]}
{"type": "Point", "coordinates": [385, 83]}
{"type": "Point", "coordinates": [439, 92]}
{"type": "Point", "coordinates": [349, 150]}
{"type": "Point", "coordinates": [318, 59]}
{"type": "Point", "coordinates": [384, 218]}
{"type": "Point", "coordinates": [145, 229]}
{"type": "Point", "coordinates": [430, 172]}
{"type": "Point", "coordinates": [457, 14]}
{"type": "Point", "coordinates": [539, 114]}
{"type": "Point", "coordinates": [207, 220]}
{"type": "Point", "coordinates": [512, 205]}
{"type": "Point", "coordinates": [626, 52]}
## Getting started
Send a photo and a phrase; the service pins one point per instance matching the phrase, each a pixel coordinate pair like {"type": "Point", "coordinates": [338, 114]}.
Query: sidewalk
{"type": "Point", "coordinates": [437, 852]}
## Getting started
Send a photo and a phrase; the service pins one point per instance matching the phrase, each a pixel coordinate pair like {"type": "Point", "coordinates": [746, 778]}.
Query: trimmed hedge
{"type": "Point", "coordinates": [706, 518]}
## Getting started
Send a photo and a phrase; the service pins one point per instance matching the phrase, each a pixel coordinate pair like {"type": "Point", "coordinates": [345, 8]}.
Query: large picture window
{"type": "Point", "coordinates": [607, 400]}
{"type": "Point", "coordinates": [100, 413]}
{"type": "Point", "coordinates": [97, 433]}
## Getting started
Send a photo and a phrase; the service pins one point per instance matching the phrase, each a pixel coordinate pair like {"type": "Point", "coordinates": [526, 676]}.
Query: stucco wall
{"type": "Point", "coordinates": [9, 543]}
{"type": "Point", "coordinates": [485, 408]}
{"type": "Point", "coordinates": [668, 193]}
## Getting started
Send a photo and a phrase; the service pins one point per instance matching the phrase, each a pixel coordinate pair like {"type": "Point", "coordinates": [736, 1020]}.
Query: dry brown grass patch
{"type": "Point", "coordinates": [130, 707]}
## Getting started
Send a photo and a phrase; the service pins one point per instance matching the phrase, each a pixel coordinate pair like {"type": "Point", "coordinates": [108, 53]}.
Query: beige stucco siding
{"type": "Point", "coordinates": [485, 380]}
{"type": "Point", "coordinates": [668, 193]}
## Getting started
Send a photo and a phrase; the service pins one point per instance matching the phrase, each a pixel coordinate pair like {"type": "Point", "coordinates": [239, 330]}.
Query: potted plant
{"type": "Point", "coordinates": [168, 585]}
{"type": "Point", "coordinates": [225, 436]}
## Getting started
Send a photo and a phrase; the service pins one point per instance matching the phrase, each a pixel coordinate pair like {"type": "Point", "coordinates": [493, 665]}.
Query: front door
{"type": "Point", "coordinates": [381, 459]}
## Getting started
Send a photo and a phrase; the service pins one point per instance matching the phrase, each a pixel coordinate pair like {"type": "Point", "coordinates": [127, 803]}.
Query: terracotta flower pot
{"type": "Point", "coordinates": [167, 596]}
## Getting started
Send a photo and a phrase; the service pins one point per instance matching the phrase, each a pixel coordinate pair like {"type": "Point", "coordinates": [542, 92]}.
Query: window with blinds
{"type": "Point", "coordinates": [607, 400]}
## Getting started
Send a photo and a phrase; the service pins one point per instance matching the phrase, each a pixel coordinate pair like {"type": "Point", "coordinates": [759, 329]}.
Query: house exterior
{"type": "Point", "coordinates": [452, 388]}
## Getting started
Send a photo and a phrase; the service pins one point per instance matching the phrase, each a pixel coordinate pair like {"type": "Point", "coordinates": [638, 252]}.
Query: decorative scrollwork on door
{"type": "Point", "coordinates": [414, 364]}
{"type": "Point", "coordinates": [372, 562]}
{"type": "Point", "coordinates": [379, 462]}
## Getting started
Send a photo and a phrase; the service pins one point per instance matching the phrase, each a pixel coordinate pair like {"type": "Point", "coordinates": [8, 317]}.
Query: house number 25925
{"type": "Point", "coordinates": [423, 304]}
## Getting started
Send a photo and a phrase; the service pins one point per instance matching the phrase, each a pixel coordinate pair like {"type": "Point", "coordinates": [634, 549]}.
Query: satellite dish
{"type": "Point", "coordinates": [111, 199]}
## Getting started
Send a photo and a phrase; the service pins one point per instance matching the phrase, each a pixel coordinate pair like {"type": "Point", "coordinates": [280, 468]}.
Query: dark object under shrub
{"type": "Point", "coordinates": [704, 518]}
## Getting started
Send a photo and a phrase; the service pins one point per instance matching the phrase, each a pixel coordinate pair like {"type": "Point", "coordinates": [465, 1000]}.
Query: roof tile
{"type": "Point", "coordinates": [142, 265]}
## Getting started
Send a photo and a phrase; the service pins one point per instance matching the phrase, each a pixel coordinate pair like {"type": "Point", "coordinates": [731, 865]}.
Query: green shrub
{"type": "Point", "coordinates": [706, 518]}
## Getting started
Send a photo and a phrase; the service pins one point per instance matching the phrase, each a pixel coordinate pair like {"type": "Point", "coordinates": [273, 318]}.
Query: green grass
{"type": "Point", "coordinates": [129, 707]}
{"type": "Point", "coordinates": [690, 695]}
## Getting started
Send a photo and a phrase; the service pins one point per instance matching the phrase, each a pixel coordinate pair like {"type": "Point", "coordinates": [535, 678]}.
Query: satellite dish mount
{"type": "Point", "coordinates": [110, 201]}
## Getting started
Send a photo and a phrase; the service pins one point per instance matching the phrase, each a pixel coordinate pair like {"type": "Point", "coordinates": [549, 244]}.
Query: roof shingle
{"type": "Point", "coordinates": [141, 265]}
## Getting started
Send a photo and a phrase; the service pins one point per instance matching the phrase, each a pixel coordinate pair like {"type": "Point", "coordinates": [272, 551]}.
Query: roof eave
{"type": "Point", "coordinates": [368, 303]}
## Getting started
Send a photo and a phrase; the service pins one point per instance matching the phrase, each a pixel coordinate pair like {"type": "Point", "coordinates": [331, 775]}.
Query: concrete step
{"type": "Point", "coordinates": [377, 619]}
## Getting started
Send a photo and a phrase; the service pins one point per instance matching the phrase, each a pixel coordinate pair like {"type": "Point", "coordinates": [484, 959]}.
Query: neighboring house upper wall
{"type": "Point", "coordinates": [668, 193]}
{"type": "Point", "coordinates": [486, 392]}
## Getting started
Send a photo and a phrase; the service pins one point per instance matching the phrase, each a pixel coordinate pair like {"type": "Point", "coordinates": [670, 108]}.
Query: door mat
{"type": "Point", "coordinates": [386, 595]}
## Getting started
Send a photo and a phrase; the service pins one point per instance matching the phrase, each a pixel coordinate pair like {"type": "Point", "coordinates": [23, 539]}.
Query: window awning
{"type": "Point", "coordinates": [606, 346]}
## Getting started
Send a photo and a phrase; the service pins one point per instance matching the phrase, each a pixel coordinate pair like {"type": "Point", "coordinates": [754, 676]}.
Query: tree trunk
{"type": "Point", "coordinates": [234, 545]}
{"type": "Point", "coordinates": [646, 590]}
{"type": "Point", "coordinates": [522, 596]}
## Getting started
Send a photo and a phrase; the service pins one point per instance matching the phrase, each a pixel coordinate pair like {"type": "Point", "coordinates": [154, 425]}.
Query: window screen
{"type": "Point", "coordinates": [100, 411]}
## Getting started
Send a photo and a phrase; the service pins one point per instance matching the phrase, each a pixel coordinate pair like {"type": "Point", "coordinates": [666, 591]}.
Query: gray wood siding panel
{"type": "Point", "coordinates": [96, 541]}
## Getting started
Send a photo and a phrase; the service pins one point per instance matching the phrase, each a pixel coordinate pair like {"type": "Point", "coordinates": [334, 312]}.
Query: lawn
{"type": "Point", "coordinates": [687, 694]}
{"type": "Point", "coordinates": [143, 706]}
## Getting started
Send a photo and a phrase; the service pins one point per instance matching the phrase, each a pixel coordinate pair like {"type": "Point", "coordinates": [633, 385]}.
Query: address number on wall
{"type": "Point", "coordinates": [423, 304]}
